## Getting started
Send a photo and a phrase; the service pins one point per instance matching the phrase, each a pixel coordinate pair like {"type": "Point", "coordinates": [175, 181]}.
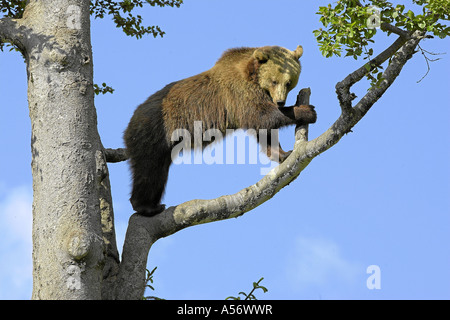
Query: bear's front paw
{"type": "Point", "coordinates": [305, 114]}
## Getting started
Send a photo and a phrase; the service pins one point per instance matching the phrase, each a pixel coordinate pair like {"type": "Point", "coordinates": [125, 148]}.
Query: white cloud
{"type": "Point", "coordinates": [318, 263]}
{"type": "Point", "coordinates": [16, 244]}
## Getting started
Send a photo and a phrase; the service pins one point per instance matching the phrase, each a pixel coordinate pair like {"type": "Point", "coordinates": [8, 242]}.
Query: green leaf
{"type": "Point", "coordinates": [103, 90]}
{"type": "Point", "coordinates": [264, 289]}
{"type": "Point", "coordinates": [130, 24]}
{"type": "Point", "coordinates": [345, 24]}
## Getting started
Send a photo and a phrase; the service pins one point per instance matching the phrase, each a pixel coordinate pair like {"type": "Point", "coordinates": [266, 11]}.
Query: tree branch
{"type": "Point", "coordinates": [343, 87]}
{"type": "Point", "coordinates": [144, 231]}
{"type": "Point", "coordinates": [11, 32]}
{"type": "Point", "coordinates": [301, 131]}
{"type": "Point", "coordinates": [348, 120]}
{"type": "Point", "coordinates": [116, 155]}
{"type": "Point", "coordinates": [390, 28]}
{"type": "Point", "coordinates": [390, 74]}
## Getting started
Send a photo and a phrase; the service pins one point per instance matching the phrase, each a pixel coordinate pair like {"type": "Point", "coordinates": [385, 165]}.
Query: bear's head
{"type": "Point", "coordinates": [277, 71]}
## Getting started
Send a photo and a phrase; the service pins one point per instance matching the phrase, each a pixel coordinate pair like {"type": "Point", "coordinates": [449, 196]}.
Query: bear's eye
{"type": "Point", "coordinates": [288, 84]}
{"type": "Point", "coordinates": [274, 82]}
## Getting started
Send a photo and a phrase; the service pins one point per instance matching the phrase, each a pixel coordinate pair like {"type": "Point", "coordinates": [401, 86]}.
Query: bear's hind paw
{"type": "Point", "coordinates": [148, 211]}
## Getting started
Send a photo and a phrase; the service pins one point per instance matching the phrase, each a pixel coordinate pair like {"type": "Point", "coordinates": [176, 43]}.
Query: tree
{"type": "Point", "coordinates": [74, 248]}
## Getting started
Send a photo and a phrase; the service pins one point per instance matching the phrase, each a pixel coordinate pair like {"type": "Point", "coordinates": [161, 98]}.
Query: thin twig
{"type": "Point", "coordinates": [428, 60]}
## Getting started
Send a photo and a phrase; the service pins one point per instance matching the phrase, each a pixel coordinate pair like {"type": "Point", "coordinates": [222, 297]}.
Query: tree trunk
{"type": "Point", "coordinates": [67, 155]}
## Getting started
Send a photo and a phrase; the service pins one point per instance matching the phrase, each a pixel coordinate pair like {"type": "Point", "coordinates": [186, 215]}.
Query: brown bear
{"type": "Point", "coordinates": [246, 88]}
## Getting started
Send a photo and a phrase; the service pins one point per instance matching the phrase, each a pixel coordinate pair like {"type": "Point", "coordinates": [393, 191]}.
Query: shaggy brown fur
{"type": "Point", "coordinates": [246, 88]}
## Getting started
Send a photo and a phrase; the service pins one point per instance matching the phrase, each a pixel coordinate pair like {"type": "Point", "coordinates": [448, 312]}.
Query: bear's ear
{"type": "Point", "coordinates": [260, 55]}
{"type": "Point", "coordinates": [298, 52]}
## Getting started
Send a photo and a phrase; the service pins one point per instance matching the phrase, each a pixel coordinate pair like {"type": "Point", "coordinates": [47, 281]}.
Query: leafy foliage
{"type": "Point", "coordinates": [12, 9]}
{"type": "Point", "coordinates": [351, 25]}
{"type": "Point", "coordinates": [148, 284]}
{"type": "Point", "coordinates": [346, 27]}
{"type": "Point", "coordinates": [347, 23]}
{"type": "Point", "coordinates": [250, 295]}
{"type": "Point", "coordinates": [121, 12]}
{"type": "Point", "coordinates": [103, 89]}
{"type": "Point", "coordinates": [131, 24]}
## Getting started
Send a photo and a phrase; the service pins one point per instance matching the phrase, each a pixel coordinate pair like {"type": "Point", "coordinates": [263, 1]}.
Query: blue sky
{"type": "Point", "coordinates": [379, 197]}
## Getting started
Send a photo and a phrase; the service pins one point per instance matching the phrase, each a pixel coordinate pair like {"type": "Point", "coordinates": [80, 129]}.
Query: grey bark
{"type": "Point", "coordinates": [68, 166]}
{"type": "Point", "coordinates": [74, 249]}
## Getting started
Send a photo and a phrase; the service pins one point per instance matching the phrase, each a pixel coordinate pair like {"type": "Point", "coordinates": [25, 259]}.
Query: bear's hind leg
{"type": "Point", "coordinates": [150, 175]}
{"type": "Point", "coordinates": [272, 147]}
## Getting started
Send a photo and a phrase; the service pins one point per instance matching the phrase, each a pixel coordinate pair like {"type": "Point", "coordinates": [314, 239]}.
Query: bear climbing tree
{"type": "Point", "coordinates": [247, 88]}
